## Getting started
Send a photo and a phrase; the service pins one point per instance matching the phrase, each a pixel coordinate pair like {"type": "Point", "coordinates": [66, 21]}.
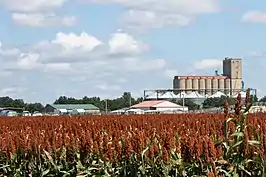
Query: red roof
{"type": "Point", "coordinates": [200, 77]}
{"type": "Point", "coordinates": [147, 104]}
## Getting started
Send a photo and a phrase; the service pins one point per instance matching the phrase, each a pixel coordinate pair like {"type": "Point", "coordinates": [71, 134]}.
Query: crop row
{"type": "Point", "coordinates": [186, 144]}
{"type": "Point", "coordinates": [187, 133]}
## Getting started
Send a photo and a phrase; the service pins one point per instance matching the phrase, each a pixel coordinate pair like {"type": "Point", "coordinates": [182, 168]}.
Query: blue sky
{"type": "Point", "coordinates": [105, 47]}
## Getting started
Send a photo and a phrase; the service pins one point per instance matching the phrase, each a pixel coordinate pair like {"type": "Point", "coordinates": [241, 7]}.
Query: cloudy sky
{"type": "Point", "coordinates": [102, 48]}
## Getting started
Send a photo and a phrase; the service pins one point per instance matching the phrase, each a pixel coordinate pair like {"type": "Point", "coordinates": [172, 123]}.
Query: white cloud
{"type": "Point", "coordinates": [79, 54]}
{"type": "Point", "coordinates": [58, 68]}
{"type": "Point", "coordinates": [125, 43]}
{"type": "Point", "coordinates": [42, 20]}
{"type": "Point", "coordinates": [254, 17]}
{"type": "Point", "coordinates": [207, 64]}
{"type": "Point", "coordinates": [145, 14]}
{"type": "Point", "coordinates": [105, 86]}
{"type": "Point", "coordinates": [82, 64]}
{"type": "Point", "coordinates": [170, 73]}
{"type": "Point", "coordinates": [5, 74]}
{"type": "Point", "coordinates": [12, 91]}
{"type": "Point", "coordinates": [184, 6]}
{"type": "Point", "coordinates": [28, 61]}
{"type": "Point", "coordinates": [72, 41]}
{"type": "Point", "coordinates": [133, 64]}
{"type": "Point", "coordinates": [84, 48]}
{"type": "Point", "coordinates": [143, 20]}
{"type": "Point", "coordinates": [32, 5]}
{"type": "Point", "coordinates": [257, 54]}
{"type": "Point", "coordinates": [38, 13]}
{"type": "Point", "coordinates": [7, 90]}
{"type": "Point", "coordinates": [9, 52]}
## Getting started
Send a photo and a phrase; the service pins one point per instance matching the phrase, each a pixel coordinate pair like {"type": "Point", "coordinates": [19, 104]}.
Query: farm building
{"type": "Point", "coordinates": [71, 109]}
{"type": "Point", "coordinates": [159, 106]}
{"type": "Point", "coordinates": [9, 111]}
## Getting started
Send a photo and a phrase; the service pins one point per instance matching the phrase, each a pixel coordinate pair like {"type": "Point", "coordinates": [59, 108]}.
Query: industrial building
{"type": "Point", "coordinates": [153, 107]}
{"type": "Point", "coordinates": [198, 88]}
{"type": "Point", "coordinates": [71, 109]}
{"type": "Point", "coordinates": [160, 106]}
{"type": "Point", "coordinates": [229, 83]}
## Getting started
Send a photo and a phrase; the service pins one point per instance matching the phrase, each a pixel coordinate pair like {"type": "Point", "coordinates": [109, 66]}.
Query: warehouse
{"type": "Point", "coordinates": [71, 109]}
{"type": "Point", "coordinates": [161, 106]}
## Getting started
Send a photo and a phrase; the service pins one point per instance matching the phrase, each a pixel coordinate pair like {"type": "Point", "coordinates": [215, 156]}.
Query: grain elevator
{"type": "Point", "coordinates": [230, 82]}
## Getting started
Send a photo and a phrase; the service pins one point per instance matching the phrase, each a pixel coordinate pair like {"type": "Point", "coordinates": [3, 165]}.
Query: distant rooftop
{"type": "Point", "coordinates": [228, 58]}
{"type": "Point", "coordinates": [148, 103]}
{"type": "Point", "coordinates": [156, 104]}
{"type": "Point", "coordinates": [200, 77]}
{"type": "Point", "coordinates": [10, 108]}
{"type": "Point", "coordinates": [74, 106]}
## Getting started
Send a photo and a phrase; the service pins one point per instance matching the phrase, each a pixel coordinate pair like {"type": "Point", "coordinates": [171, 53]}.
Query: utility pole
{"type": "Point", "coordinates": [129, 99]}
{"type": "Point", "coordinates": [106, 106]}
{"type": "Point", "coordinates": [183, 101]}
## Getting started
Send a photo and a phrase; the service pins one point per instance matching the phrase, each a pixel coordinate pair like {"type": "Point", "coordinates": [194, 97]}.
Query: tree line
{"type": "Point", "coordinates": [125, 100]}
{"type": "Point", "coordinates": [19, 103]}
{"type": "Point", "coordinates": [111, 104]}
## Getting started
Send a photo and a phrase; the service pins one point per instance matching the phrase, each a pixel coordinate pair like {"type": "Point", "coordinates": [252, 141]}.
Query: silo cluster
{"type": "Point", "coordinates": [205, 85]}
{"type": "Point", "coordinates": [229, 83]}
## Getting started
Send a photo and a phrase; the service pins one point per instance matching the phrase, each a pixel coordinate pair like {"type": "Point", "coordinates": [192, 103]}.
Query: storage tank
{"type": "Point", "coordinates": [202, 86]}
{"type": "Point", "coordinates": [176, 83]}
{"type": "Point", "coordinates": [195, 84]}
{"type": "Point", "coordinates": [227, 86]}
{"type": "Point", "coordinates": [221, 85]}
{"type": "Point", "coordinates": [188, 85]}
{"type": "Point", "coordinates": [208, 86]}
{"type": "Point", "coordinates": [182, 84]}
{"type": "Point", "coordinates": [214, 85]}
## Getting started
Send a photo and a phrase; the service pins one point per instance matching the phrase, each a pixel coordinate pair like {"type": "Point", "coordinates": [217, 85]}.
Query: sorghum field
{"type": "Point", "coordinates": [134, 145]}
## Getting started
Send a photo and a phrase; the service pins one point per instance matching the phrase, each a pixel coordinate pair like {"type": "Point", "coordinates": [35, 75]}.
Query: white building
{"type": "Point", "coordinates": [162, 106]}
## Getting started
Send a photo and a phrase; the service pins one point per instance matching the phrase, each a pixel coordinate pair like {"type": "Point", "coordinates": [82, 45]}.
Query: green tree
{"type": "Point", "coordinates": [6, 102]}
{"type": "Point", "coordinates": [254, 98]}
{"type": "Point", "coordinates": [31, 107]}
{"type": "Point", "coordinates": [125, 100]}
{"type": "Point", "coordinates": [9, 102]}
{"type": "Point", "coordinates": [189, 103]}
{"type": "Point", "coordinates": [217, 102]}
{"type": "Point", "coordinates": [61, 100]}
{"type": "Point", "coordinates": [19, 103]}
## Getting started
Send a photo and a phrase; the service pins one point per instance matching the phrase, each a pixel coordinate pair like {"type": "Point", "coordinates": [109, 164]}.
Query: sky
{"type": "Point", "coordinates": [77, 48]}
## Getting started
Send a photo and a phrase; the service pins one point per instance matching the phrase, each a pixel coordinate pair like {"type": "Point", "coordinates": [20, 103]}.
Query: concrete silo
{"type": "Point", "coordinates": [182, 84]}
{"type": "Point", "coordinates": [214, 85]}
{"type": "Point", "coordinates": [227, 86]}
{"type": "Point", "coordinates": [208, 85]}
{"type": "Point", "coordinates": [176, 83]}
{"type": "Point", "coordinates": [202, 86]}
{"type": "Point", "coordinates": [188, 85]}
{"type": "Point", "coordinates": [195, 84]}
{"type": "Point", "coordinates": [221, 83]}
